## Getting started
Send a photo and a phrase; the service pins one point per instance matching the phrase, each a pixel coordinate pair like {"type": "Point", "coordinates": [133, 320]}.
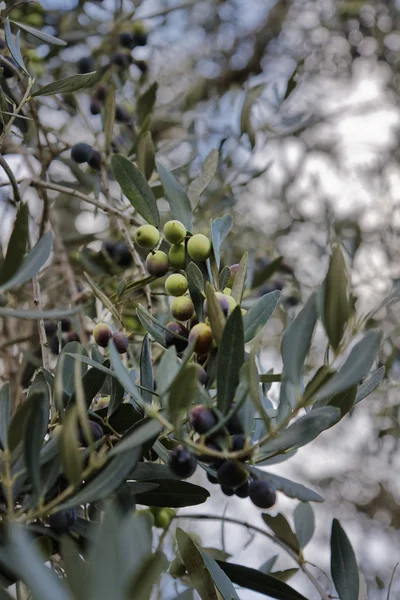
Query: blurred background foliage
{"type": "Point", "coordinates": [301, 100]}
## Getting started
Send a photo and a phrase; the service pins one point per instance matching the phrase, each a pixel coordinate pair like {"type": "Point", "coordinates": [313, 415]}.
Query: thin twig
{"type": "Point", "coordinates": [10, 175]}
{"type": "Point", "coordinates": [71, 192]}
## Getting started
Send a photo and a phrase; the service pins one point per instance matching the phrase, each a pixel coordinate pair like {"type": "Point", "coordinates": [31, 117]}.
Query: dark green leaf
{"type": "Point", "coordinates": [137, 436]}
{"type": "Point", "coordinates": [304, 523]}
{"type": "Point", "coordinates": [92, 382]}
{"type": "Point", "coordinates": [35, 429]}
{"type": "Point", "coordinates": [370, 384]}
{"type": "Point", "coordinates": [175, 494]}
{"type": "Point", "coordinates": [182, 392]}
{"type": "Point", "coordinates": [215, 314]}
{"type": "Point", "coordinates": [304, 430]}
{"type": "Point", "coordinates": [76, 568]}
{"type": "Point", "coordinates": [70, 454]}
{"type": "Point", "coordinates": [253, 579]}
{"type": "Point", "coordinates": [167, 370]}
{"type": "Point", "coordinates": [116, 397]}
{"type": "Point", "coordinates": [135, 188]}
{"type": "Point", "coordinates": [222, 582]}
{"type": "Point", "coordinates": [17, 425]}
{"type": "Point", "coordinates": [106, 302]}
{"type": "Point", "coordinates": [269, 564]}
{"type": "Point", "coordinates": [42, 582]}
{"type": "Point", "coordinates": [282, 530]}
{"type": "Point", "coordinates": [146, 102]}
{"type": "Point", "coordinates": [14, 47]}
{"type": "Point", "coordinates": [146, 154]}
{"type": "Point", "coordinates": [220, 228]}
{"type": "Point", "coordinates": [68, 364]}
{"type": "Point", "coordinates": [122, 374]}
{"type": "Point", "coordinates": [204, 178]}
{"type": "Point", "coordinates": [284, 575]}
{"type": "Point", "coordinates": [290, 488]}
{"type": "Point", "coordinates": [89, 361]}
{"type": "Point", "coordinates": [152, 472]}
{"type": "Point", "coordinates": [175, 194]}
{"type": "Point", "coordinates": [239, 282]}
{"type": "Point", "coordinates": [32, 264]}
{"type": "Point", "coordinates": [38, 314]}
{"type": "Point", "coordinates": [151, 325]}
{"type": "Point", "coordinates": [337, 308]}
{"type": "Point", "coordinates": [357, 365]}
{"type": "Point", "coordinates": [106, 482]}
{"type": "Point", "coordinates": [5, 413]}
{"type": "Point", "coordinates": [67, 85]}
{"type": "Point", "coordinates": [224, 277]}
{"type": "Point", "coordinates": [194, 563]}
{"type": "Point", "coordinates": [343, 564]}
{"type": "Point", "coordinates": [245, 117]}
{"type": "Point", "coordinates": [258, 315]}
{"type": "Point", "coordinates": [343, 400]}
{"type": "Point", "coordinates": [41, 35]}
{"type": "Point", "coordinates": [146, 369]}
{"type": "Point", "coordinates": [266, 272]}
{"type": "Point", "coordinates": [17, 245]}
{"type": "Point", "coordinates": [297, 340]}
{"type": "Point", "coordinates": [230, 360]}
{"type": "Point", "coordinates": [196, 288]}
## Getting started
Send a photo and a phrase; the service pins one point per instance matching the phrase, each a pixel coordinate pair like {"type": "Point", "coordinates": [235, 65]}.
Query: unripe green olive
{"type": "Point", "coordinates": [199, 247]}
{"type": "Point", "coordinates": [227, 291]}
{"type": "Point", "coordinates": [204, 338]}
{"type": "Point", "coordinates": [177, 256]}
{"type": "Point", "coordinates": [147, 236]}
{"type": "Point", "coordinates": [163, 518]}
{"type": "Point", "coordinates": [174, 231]}
{"type": "Point", "coordinates": [157, 263]}
{"type": "Point", "coordinates": [231, 302]}
{"type": "Point", "coordinates": [182, 308]}
{"type": "Point", "coordinates": [176, 285]}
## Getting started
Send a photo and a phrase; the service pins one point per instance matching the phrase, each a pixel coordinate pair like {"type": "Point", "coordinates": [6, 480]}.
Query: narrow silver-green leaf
{"type": "Point", "coordinates": [290, 488]}
{"type": "Point", "coordinates": [194, 563]}
{"type": "Point", "coordinates": [32, 264]}
{"type": "Point", "coordinates": [370, 384]}
{"type": "Point", "coordinates": [215, 314]}
{"type": "Point", "coordinates": [14, 47]}
{"type": "Point", "coordinates": [259, 314]}
{"type": "Point", "coordinates": [17, 245]}
{"type": "Point", "coordinates": [230, 360]}
{"type": "Point", "coordinates": [146, 369]}
{"type": "Point", "coordinates": [137, 437]}
{"type": "Point", "coordinates": [304, 523]}
{"type": "Point", "coordinates": [221, 580]}
{"type": "Point", "coordinates": [146, 102]}
{"type": "Point", "coordinates": [357, 365]}
{"type": "Point", "coordinates": [17, 313]}
{"type": "Point", "coordinates": [135, 188]}
{"type": "Point", "coordinates": [176, 196]}
{"type": "Point", "coordinates": [240, 278]}
{"type": "Point", "coordinates": [337, 308]}
{"type": "Point", "coordinates": [122, 374]}
{"type": "Point", "coordinates": [151, 325]}
{"type": "Point", "coordinates": [167, 370]}
{"type": "Point", "coordinates": [182, 392]}
{"type": "Point", "coordinates": [296, 341]}
{"type": "Point", "coordinates": [220, 228]}
{"type": "Point", "coordinates": [40, 35]}
{"type": "Point", "coordinates": [5, 413]}
{"type": "Point", "coordinates": [245, 117]}
{"type": "Point", "coordinates": [204, 178]}
{"type": "Point", "coordinates": [344, 567]}
{"type": "Point", "coordinates": [73, 83]}
{"type": "Point", "coordinates": [282, 529]}
{"type": "Point", "coordinates": [146, 154]}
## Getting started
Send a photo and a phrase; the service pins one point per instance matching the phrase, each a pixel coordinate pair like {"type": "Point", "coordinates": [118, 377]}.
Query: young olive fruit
{"type": "Point", "coordinates": [244, 490]}
{"type": "Point", "coordinates": [174, 231]}
{"type": "Point", "coordinates": [147, 236]}
{"type": "Point", "coordinates": [177, 256]}
{"type": "Point", "coordinates": [202, 418]}
{"type": "Point", "coordinates": [157, 263]}
{"type": "Point", "coordinates": [204, 338]}
{"type": "Point", "coordinates": [199, 247]}
{"type": "Point", "coordinates": [176, 285]}
{"type": "Point", "coordinates": [102, 333]}
{"type": "Point", "coordinates": [182, 308]}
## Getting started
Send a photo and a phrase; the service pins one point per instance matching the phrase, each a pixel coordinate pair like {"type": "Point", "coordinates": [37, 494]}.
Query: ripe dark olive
{"type": "Point", "coordinates": [234, 425]}
{"type": "Point", "coordinates": [212, 479]}
{"type": "Point", "coordinates": [244, 490]}
{"type": "Point", "coordinates": [85, 65]}
{"type": "Point", "coordinates": [101, 92]}
{"type": "Point", "coordinates": [204, 338]}
{"type": "Point", "coordinates": [182, 462]}
{"type": "Point", "coordinates": [62, 521]}
{"type": "Point", "coordinates": [95, 160]}
{"type": "Point", "coordinates": [110, 247]}
{"type": "Point", "coordinates": [97, 433]}
{"type": "Point", "coordinates": [262, 493]}
{"type": "Point", "coordinates": [202, 418]}
{"type": "Point", "coordinates": [50, 327]}
{"type": "Point", "coordinates": [73, 336]}
{"type": "Point", "coordinates": [66, 324]}
{"type": "Point", "coordinates": [238, 443]}
{"type": "Point", "coordinates": [206, 458]}
{"type": "Point", "coordinates": [121, 342]}
{"type": "Point", "coordinates": [121, 114]}
{"type": "Point", "coordinates": [202, 374]}
{"type": "Point", "coordinates": [227, 490]}
{"type": "Point", "coordinates": [123, 256]}
{"type": "Point", "coordinates": [102, 333]}
{"type": "Point", "coordinates": [81, 152]}
{"type": "Point", "coordinates": [232, 474]}
{"type": "Point", "coordinates": [120, 60]}
{"type": "Point", "coordinates": [140, 39]}
{"type": "Point", "coordinates": [54, 344]}
{"type": "Point", "coordinates": [126, 40]}
{"type": "Point", "coordinates": [7, 70]}
{"type": "Point", "coordinates": [95, 107]}
{"type": "Point", "coordinates": [172, 340]}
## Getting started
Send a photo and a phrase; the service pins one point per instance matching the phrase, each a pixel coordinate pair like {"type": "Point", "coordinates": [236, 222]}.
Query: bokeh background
{"type": "Point", "coordinates": [301, 98]}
